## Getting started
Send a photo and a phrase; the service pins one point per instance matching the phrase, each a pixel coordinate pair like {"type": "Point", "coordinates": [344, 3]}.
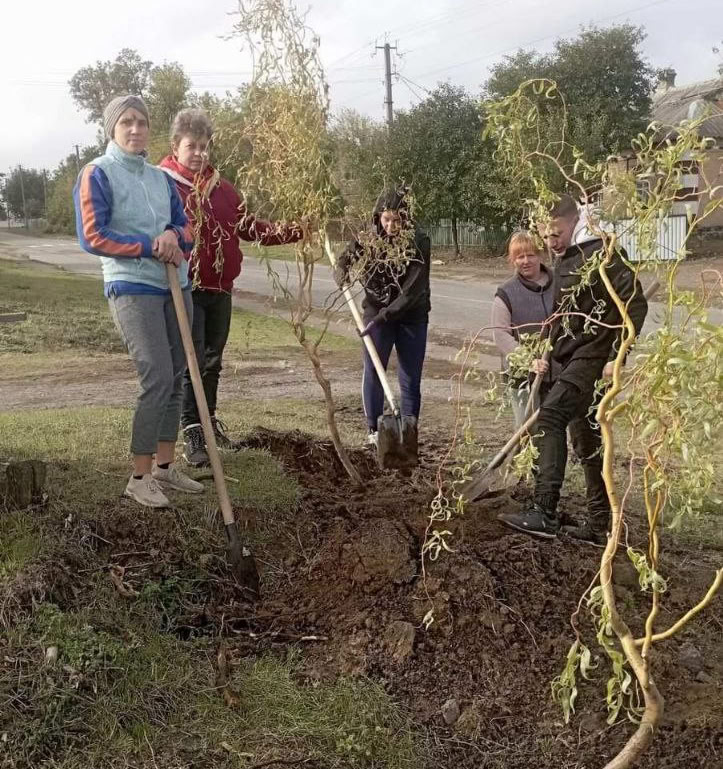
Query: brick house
{"type": "Point", "coordinates": [671, 105]}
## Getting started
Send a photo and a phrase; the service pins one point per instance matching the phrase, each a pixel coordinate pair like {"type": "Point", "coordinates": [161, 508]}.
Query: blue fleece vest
{"type": "Point", "coordinates": [141, 206]}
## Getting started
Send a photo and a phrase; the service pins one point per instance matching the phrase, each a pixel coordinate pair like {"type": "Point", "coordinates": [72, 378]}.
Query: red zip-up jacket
{"type": "Point", "coordinates": [215, 261]}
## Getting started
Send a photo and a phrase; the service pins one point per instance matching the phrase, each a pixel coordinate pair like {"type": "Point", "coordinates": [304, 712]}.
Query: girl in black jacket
{"type": "Point", "coordinates": [393, 268]}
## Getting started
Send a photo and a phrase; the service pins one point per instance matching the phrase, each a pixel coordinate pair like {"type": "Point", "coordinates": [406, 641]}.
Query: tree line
{"type": "Point", "coordinates": [437, 146]}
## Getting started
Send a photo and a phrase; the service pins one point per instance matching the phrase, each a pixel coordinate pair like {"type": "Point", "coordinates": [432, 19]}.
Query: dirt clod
{"type": "Point", "coordinates": [450, 711]}
{"type": "Point", "coordinates": [399, 640]}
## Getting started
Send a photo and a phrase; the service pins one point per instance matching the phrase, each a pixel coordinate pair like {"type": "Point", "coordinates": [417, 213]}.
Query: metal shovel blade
{"type": "Point", "coordinates": [397, 445]}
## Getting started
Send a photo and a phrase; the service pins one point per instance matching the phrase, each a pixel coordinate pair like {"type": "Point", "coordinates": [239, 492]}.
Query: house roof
{"type": "Point", "coordinates": [672, 106]}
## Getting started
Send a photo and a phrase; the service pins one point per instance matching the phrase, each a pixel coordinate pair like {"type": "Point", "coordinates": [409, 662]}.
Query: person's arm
{"type": "Point", "coordinates": [180, 223]}
{"type": "Point", "coordinates": [415, 283]}
{"type": "Point", "coordinates": [344, 262]}
{"type": "Point", "coordinates": [93, 200]}
{"type": "Point", "coordinates": [501, 331]}
{"type": "Point", "coordinates": [264, 233]}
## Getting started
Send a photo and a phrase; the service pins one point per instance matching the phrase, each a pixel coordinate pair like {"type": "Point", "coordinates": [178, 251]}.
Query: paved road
{"type": "Point", "coordinates": [458, 307]}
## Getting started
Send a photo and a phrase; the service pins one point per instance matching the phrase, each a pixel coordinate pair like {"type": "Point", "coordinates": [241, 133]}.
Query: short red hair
{"type": "Point", "coordinates": [523, 237]}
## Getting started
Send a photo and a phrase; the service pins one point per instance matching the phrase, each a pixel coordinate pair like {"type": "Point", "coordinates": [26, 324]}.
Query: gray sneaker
{"type": "Point", "coordinates": [194, 446]}
{"type": "Point", "coordinates": [172, 478]}
{"type": "Point", "coordinates": [146, 491]}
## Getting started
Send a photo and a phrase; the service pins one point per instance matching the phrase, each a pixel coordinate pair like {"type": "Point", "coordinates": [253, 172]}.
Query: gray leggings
{"type": "Point", "coordinates": [149, 329]}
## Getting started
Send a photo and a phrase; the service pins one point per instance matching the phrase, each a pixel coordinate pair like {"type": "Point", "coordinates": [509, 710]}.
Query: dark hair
{"type": "Point", "coordinates": [566, 207]}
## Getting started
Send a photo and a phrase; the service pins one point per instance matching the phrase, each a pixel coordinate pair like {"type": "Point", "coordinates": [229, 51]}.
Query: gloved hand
{"type": "Point", "coordinates": [367, 329]}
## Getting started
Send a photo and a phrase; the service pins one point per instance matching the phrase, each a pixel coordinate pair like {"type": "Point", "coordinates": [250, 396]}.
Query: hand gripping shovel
{"type": "Point", "coordinates": [397, 440]}
{"type": "Point", "coordinates": [243, 564]}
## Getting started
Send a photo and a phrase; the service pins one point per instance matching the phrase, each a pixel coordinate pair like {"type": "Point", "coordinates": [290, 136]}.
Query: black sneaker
{"type": "Point", "coordinates": [535, 521]}
{"type": "Point", "coordinates": [194, 446]}
{"type": "Point", "coordinates": [223, 442]}
{"type": "Point", "coordinates": [587, 533]}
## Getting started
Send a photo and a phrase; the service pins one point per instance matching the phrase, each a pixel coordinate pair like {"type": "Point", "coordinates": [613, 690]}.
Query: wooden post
{"type": "Point", "coordinates": [12, 317]}
{"type": "Point", "coordinates": [21, 483]}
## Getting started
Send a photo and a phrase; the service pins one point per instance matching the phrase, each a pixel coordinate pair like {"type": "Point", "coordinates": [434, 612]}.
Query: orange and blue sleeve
{"type": "Point", "coordinates": [179, 221]}
{"type": "Point", "coordinates": [93, 200]}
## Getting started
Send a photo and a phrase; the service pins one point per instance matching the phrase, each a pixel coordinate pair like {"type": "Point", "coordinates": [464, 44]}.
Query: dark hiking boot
{"type": "Point", "coordinates": [536, 521]}
{"type": "Point", "coordinates": [194, 446]}
{"type": "Point", "coordinates": [223, 442]}
{"type": "Point", "coordinates": [587, 532]}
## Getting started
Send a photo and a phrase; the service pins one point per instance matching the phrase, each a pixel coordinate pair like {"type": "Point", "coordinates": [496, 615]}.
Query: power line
{"type": "Point", "coordinates": [539, 39]}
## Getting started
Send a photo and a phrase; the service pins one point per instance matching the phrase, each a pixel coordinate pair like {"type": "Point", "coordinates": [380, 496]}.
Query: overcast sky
{"type": "Point", "coordinates": [45, 41]}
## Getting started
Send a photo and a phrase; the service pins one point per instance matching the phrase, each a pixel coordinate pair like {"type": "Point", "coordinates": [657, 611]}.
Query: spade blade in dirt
{"type": "Point", "coordinates": [397, 451]}
{"type": "Point", "coordinates": [243, 565]}
{"type": "Point", "coordinates": [491, 479]}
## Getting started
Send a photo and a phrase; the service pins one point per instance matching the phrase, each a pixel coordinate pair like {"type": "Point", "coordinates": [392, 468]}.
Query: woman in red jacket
{"type": "Point", "coordinates": [219, 219]}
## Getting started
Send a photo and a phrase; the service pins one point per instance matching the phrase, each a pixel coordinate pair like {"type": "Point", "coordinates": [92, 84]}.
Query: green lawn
{"type": "Point", "coordinates": [127, 688]}
{"type": "Point", "coordinates": [68, 312]}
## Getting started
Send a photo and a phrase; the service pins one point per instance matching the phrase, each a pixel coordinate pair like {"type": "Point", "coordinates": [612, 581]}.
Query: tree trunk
{"type": "Point", "coordinates": [331, 416]}
{"type": "Point", "coordinates": [455, 236]}
{"type": "Point", "coordinates": [21, 483]}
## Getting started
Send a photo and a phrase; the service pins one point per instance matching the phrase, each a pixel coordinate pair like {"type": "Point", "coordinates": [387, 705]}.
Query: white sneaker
{"type": "Point", "coordinates": [373, 439]}
{"type": "Point", "coordinates": [173, 478]}
{"type": "Point", "coordinates": [146, 491]}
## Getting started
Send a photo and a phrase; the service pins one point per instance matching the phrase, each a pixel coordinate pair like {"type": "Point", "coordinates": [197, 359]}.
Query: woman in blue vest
{"type": "Point", "coordinates": [128, 213]}
{"type": "Point", "coordinates": [521, 306]}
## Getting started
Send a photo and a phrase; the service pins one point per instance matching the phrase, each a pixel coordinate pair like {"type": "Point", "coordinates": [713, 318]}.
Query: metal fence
{"type": "Point", "coordinates": [469, 235]}
{"type": "Point", "coordinates": [669, 241]}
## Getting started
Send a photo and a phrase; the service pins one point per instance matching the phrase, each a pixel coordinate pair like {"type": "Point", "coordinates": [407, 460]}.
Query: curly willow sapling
{"type": "Point", "coordinates": [283, 149]}
{"type": "Point", "coordinates": [666, 393]}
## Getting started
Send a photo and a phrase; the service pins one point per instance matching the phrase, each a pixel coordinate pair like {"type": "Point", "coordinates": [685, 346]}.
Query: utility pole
{"type": "Point", "coordinates": [45, 195]}
{"type": "Point", "coordinates": [388, 79]}
{"type": "Point", "coordinates": [22, 193]}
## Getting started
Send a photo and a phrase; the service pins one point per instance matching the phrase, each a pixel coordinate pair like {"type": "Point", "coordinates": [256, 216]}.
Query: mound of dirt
{"type": "Point", "coordinates": [480, 675]}
{"type": "Point", "coordinates": [342, 577]}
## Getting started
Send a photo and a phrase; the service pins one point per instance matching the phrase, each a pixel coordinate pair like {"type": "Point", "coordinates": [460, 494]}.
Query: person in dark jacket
{"type": "Point", "coordinates": [585, 354]}
{"type": "Point", "coordinates": [219, 220]}
{"type": "Point", "coordinates": [396, 302]}
{"type": "Point", "coordinates": [521, 306]}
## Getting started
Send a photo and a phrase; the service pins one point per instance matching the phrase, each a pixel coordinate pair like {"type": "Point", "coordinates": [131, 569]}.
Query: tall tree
{"type": "Point", "coordinates": [359, 147]}
{"type": "Point", "coordinates": [61, 211]}
{"type": "Point", "coordinates": [437, 148]}
{"type": "Point", "coordinates": [92, 87]}
{"type": "Point", "coordinates": [29, 188]}
{"type": "Point", "coordinates": [165, 88]}
{"type": "Point", "coordinates": [605, 80]}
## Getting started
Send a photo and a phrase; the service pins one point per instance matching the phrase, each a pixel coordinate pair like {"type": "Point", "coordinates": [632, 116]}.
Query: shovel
{"type": "Point", "coordinates": [397, 438]}
{"type": "Point", "coordinates": [242, 562]}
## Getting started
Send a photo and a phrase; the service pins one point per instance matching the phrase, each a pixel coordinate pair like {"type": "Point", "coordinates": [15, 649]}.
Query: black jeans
{"type": "Point", "coordinates": [211, 324]}
{"type": "Point", "coordinates": [569, 405]}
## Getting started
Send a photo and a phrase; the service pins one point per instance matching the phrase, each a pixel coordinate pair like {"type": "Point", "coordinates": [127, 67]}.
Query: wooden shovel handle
{"type": "Point", "coordinates": [371, 349]}
{"type": "Point", "coordinates": [185, 329]}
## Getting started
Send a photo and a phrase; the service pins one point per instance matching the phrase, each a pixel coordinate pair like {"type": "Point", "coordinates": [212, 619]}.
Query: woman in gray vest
{"type": "Point", "coordinates": [521, 306]}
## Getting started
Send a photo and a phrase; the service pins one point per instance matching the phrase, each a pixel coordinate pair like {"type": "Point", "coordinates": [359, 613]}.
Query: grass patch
{"type": "Point", "coordinates": [90, 447]}
{"type": "Point", "coordinates": [19, 543]}
{"type": "Point", "coordinates": [64, 311]}
{"type": "Point", "coordinates": [119, 691]}
{"type": "Point", "coordinates": [69, 312]}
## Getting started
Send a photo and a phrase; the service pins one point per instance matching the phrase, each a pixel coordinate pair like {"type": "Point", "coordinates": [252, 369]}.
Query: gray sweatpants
{"type": "Point", "coordinates": [149, 329]}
